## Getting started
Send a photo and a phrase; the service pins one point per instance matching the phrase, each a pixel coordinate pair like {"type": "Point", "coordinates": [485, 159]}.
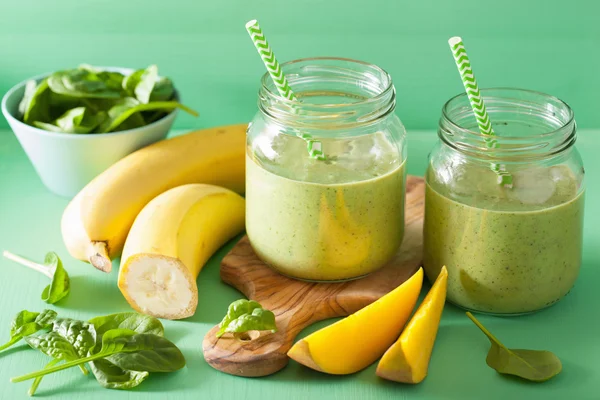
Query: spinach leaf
{"type": "Point", "coordinates": [163, 90]}
{"type": "Point", "coordinates": [46, 126]}
{"type": "Point", "coordinates": [129, 351]}
{"type": "Point", "coordinates": [122, 115]}
{"type": "Point", "coordinates": [237, 309]}
{"type": "Point", "coordinates": [532, 365]}
{"type": "Point", "coordinates": [46, 318]}
{"type": "Point", "coordinates": [136, 322]}
{"type": "Point", "coordinates": [53, 269]}
{"type": "Point", "coordinates": [141, 83]}
{"type": "Point", "coordinates": [82, 83]}
{"type": "Point", "coordinates": [113, 377]}
{"type": "Point", "coordinates": [75, 120]}
{"type": "Point", "coordinates": [131, 81]}
{"type": "Point", "coordinates": [141, 351]}
{"type": "Point", "coordinates": [54, 345]}
{"type": "Point", "coordinates": [27, 323]}
{"type": "Point", "coordinates": [92, 100]}
{"type": "Point", "coordinates": [34, 105]}
{"type": "Point", "coordinates": [60, 285]}
{"type": "Point", "coordinates": [21, 319]}
{"type": "Point", "coordinates": [81, 334]}
{"type": "Point", "coordinates": [112, 79]}
{"type": "Point", "coordinates": [144, 88]}
{"type": "Point", "coordinates": [29, 93]}
{"type": "Point", "coordinates": [259, 320]}
{"type": "Point", "coordinates": [246, 315]}
{"type": "Point", "coordinates": [108, 374]}
{"type": "Point", "coordinates": [129, 107]}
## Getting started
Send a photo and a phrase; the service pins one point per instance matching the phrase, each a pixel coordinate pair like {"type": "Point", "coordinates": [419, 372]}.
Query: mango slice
{"type": "Point", "coordinates": [356, 341]}
{"type": "Point", "coordinates": [407, 360]}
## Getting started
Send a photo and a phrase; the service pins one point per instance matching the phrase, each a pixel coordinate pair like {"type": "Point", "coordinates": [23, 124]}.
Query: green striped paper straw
{"type": "Point", "coordinates": [483, 119]}
{"type": "Point", "coordinates": [314, 147]}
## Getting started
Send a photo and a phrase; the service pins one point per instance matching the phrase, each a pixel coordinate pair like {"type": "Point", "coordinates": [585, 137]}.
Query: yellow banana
{"type": "Point", "coordinates": [96, 222]}
{"type": "Point", "coordinates": [169, 243]}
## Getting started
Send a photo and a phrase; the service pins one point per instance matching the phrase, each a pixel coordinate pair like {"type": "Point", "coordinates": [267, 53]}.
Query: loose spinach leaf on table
{"type": "Point", "coordinates": [122, 349]}
{"type": "Point", "coordinates": [532, 365]}
{"type": "Point", "coordinates": [54, 345]}
{"type": "Point", "coordinates": [81, 334]}
{"type": "Point", "coordinates": [108, 374]}
{"type": "Point", "coordinates": [133, 321]}
{"type": "Point", "coordinates": [46, 318]}
{"type": "Point", "coordinates": [113, 377]}
{"type": "Point", "coordinates": [24, 325]}
{"type": "Point", "coordinates": [27, 323]}
{"type": "Point", "coordinates": [59, 286]}
{"type": "Point", "coordinates": [139, 323]}
{"type": "Point", "coordinates": [129, 351]}
{"type": "Point", "coordinates": [141, 351]}
{"type": "Point", "coordinates": [246, 315]}
{"type": "Point", "coordinates": [69, 340]}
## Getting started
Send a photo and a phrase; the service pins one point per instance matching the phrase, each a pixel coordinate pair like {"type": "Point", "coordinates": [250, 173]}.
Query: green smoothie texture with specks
{"type": "Point", "coordinates": [325, 231]}
{"type": "Point", "coordinates": [507, 251]}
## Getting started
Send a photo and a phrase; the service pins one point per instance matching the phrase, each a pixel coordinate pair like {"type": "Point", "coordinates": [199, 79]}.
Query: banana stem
{"type": "Point", "coordinates": [99, 257]}
{"type": "Point", "coordinates": [48, 271]}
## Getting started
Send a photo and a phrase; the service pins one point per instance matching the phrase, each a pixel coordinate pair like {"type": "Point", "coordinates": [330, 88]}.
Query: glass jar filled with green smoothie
{"type": "Point", "coordinates": [508, 249]}
{"type": "Point", "coordinates": [340, 216]}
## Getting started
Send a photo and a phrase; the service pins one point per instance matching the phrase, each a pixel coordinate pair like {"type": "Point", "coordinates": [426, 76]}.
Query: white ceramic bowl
{"type": "Point", "coordinates": [67, 162]}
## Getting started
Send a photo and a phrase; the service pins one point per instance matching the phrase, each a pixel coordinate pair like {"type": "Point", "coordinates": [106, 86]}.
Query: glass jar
{"type": "Point", "coordinates": [338, 218]}
{"type": "Point", "coordinates": [508, 250]}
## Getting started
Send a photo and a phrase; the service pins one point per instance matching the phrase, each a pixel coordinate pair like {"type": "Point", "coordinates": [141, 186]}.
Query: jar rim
{"type": "Point", "coordinates": [266, 79]}
{"type": "Point", "coordinates": [448, 119]}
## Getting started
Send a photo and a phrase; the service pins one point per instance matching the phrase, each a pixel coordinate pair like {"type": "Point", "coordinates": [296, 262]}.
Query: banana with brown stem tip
{"type": "Point", "coordinates": [96, 222]}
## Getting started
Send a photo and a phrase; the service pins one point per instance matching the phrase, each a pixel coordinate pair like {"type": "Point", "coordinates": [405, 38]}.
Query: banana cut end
{"type": "Point", "coordinates": [158, 285]}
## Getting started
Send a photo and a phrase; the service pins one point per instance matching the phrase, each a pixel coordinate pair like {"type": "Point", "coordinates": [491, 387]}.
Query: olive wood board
{"type": "Point", "coordinates": [297, 304]}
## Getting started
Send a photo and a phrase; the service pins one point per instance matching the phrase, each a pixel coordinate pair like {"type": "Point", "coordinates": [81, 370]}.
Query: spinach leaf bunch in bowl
{"type": "Point", "coordinates": [92, 100]}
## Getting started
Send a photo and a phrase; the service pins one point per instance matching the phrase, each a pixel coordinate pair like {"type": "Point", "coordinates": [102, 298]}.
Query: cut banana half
{"type": "Point", "coordinates": [169, 243]}
{"type": "Point", "coordinates": [160, 286]}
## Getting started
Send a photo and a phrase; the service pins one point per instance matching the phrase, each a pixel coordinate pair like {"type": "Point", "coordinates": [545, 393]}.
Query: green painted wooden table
{"type": "Point", "coordinates": [30, 225]}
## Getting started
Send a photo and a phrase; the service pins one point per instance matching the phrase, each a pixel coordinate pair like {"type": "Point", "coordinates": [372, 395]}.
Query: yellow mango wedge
{"type": "Point", "coordinates": [408, 359]}
{"type": "Point", "coordinates": [356, 341]}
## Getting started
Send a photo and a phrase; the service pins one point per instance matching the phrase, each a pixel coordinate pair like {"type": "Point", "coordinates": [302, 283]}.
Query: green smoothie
{"type": "Point", "coordinates": [338, 223]}
{"type": "Point", "coordinates": [507, 251]}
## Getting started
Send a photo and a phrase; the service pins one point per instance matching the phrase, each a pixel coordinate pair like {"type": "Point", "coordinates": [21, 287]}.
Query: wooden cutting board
{"type": "Point", "coordinates": [298, 304]}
